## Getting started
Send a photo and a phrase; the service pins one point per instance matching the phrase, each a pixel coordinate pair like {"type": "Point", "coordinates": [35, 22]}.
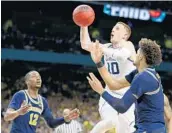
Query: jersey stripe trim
{"type": "Point", "coordinates": [158, 89]}
{"type": "Point", "coordinates": [135, 96]}
{"type": "Point", "coordinates": [25, 96]}
{"type": "Point", "coordinates": [153, 92]}
{"type": "Point", "coordinates": [41, 103]}
{"type": "Point", "coordinates": [152, 75]}
{"type": "Point", "coordinates": [35, 102]}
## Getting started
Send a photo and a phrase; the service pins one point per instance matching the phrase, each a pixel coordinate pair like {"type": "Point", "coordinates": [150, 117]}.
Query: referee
{"type": "Point", "coordinates": [69, 127]}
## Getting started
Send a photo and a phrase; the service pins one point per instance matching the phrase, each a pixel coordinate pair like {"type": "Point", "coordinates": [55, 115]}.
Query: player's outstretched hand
{"type": "Point", "coordinates": [96, 52]}
{"type": "Point", "coordinates": [73, 114]}
{"type": "Point", "coordinates": [95, 83]}
{"type": "Point", "coordinates": [24, 108]}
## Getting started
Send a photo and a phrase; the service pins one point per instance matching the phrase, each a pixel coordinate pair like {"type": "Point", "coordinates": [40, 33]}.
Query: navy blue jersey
{"type": "Point", "coordinates": [27, 123]}
{"type": "Point", "coordinates": [146, 89]}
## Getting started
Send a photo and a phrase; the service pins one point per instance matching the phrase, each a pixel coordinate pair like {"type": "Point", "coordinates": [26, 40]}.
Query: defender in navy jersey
{"type": "Point", "coordinates": [145, 89]}
{"type": "Point", "coordinates": [27, 106]}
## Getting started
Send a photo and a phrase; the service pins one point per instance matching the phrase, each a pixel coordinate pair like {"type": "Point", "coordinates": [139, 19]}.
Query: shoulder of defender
{"type": "Point", "coordinates": [148, 77]}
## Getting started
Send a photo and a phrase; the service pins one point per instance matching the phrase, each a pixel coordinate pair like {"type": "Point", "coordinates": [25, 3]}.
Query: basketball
{"type": "Point", "coordinates": [83, 15]}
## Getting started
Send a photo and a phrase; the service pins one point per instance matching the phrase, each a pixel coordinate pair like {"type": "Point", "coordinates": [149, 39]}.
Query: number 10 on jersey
{"type": "Point", "coordinates": [113, 67]}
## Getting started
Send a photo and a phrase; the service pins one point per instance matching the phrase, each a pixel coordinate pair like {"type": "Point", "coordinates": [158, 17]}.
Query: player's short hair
{"type": "Point", "coordinates": [151, 50]}
{"type": "Point", "coordinates": [27, 76]}
{"type": "Point", "coordinates": [127, 28]}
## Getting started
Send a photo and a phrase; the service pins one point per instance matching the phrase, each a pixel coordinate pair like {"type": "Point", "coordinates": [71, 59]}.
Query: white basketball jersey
{"type": "Point", "coordinates": [117, 68]}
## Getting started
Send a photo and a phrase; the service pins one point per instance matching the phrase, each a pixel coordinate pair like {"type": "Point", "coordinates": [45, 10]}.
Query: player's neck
{"type": "Point", "coordinates": [142, 67]}
{"type": "Point", "coordinates": [115, 45]}
{"type": "Point", "coordinates": [33, 92]}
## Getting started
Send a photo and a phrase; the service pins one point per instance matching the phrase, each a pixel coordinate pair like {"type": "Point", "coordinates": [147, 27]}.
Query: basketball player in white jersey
{"type": "Point", "coordinates": [117, 57]}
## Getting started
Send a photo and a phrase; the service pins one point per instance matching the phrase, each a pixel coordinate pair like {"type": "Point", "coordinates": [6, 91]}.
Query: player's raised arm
{"type": "Point", "coordinates": [83, 16]}
{"type": "Point", "coordinates": [54, 122]}
{"type": "Point", "coordinates": [85, 38]}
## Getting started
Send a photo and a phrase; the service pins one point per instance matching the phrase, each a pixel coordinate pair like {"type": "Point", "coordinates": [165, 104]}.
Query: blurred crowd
{"type": "Point", "coordinates": [61, 43]}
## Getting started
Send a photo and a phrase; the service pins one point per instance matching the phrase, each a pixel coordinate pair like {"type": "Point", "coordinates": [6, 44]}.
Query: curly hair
{"type": "Point", "coordinates": [151, 51]}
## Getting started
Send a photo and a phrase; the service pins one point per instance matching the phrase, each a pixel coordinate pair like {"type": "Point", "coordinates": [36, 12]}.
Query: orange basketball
{"type": "Point", "coordinates": [83, 15]}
